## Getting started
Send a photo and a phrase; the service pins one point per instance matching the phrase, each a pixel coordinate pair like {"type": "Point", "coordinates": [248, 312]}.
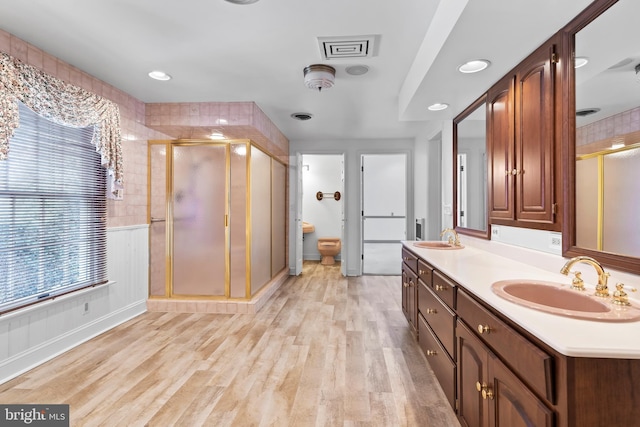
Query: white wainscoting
{"type": "Point", "coordinates": [33, 335]}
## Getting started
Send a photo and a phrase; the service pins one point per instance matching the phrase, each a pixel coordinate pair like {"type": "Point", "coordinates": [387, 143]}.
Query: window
{"type": "Point", "coordinates": [52, 213]}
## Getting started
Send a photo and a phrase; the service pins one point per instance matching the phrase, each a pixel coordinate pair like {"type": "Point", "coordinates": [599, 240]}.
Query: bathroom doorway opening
{"type": "Point", "coordinates": [320, 206]}
{"type": "Point", "coordinates": [384, 212]}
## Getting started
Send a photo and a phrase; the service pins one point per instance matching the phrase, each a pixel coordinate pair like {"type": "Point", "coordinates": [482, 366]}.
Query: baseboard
{"type": "Point", "coordinates": [29, 359]}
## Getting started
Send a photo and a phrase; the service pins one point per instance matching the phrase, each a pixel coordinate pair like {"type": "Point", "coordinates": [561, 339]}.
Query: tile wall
{"type": "Point", "coordinates": [607, 129]}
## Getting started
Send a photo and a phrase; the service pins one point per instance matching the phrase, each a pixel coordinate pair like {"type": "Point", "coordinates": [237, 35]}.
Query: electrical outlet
{"type": "Point", "coordinates": [555, 241]}
{"type": "Point", "coordinates": [495, 233]}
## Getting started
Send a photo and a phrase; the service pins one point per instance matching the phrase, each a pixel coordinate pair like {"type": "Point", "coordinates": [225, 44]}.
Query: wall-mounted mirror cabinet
{"type": "Point", "coordinates": [470, 166]}
{"type": "Point", "coordinates": [602, 156]}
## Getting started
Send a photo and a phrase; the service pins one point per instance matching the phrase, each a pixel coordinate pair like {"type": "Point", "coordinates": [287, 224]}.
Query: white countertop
{"type": "Point", "coordinates": [476, 269]}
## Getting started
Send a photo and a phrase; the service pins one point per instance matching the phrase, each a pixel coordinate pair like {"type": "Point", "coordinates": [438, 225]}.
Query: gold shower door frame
{"type": "Point", "coordinates": [169, 218]}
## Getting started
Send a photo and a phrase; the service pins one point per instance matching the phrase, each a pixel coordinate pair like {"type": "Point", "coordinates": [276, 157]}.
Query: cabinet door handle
{"type": "Point", "coordinates": [487, 393]}
{"type": "Point", "coordinates": [484, 329]}
{"type": "Point", "coordinates": [421, 272]}
{"type": "Point", "coordinates": [431, 353]}
{"type": "Point", "coordinates": [432, 311]}
{"type": "Point", "coordinates": [483, 388]}
{"type": "Point", "coordinates": [441, 288]}
{"type": "Point", "coordinates": [405, 258]}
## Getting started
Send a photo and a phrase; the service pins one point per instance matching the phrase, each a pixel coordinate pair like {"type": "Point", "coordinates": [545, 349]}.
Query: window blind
{"type": "Point", "coordinates": [52, 213]}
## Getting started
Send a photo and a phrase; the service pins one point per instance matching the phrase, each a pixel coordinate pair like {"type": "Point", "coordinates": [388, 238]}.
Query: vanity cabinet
{"type": "Point", "coordinates": [494, 372]}
{"type": "Point", "coordinates": [410, 288]}
{"type": "Point", "coordinates": [521, 128]}
{"type": "Point", "coordinates": [490, 393]}
{"type": "Point", "coordinates": [436, 330]}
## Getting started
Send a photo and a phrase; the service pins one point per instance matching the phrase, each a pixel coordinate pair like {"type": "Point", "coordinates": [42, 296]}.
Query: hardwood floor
{"type": "Point", "coordinates": [325, 350]}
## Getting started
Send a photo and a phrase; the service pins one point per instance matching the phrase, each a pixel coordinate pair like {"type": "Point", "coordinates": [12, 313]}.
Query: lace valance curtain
{"type": "Point", "coordinates": [61, 103]}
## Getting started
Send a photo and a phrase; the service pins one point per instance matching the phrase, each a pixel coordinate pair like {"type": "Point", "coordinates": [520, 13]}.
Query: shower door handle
{"type": "Point", "coordinates": [158, 220]}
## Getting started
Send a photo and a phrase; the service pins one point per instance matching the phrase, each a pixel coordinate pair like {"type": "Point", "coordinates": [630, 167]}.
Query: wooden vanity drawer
{"type": "Point", "coordinates": [441, 319]}
{"type": "Point", "coordinates": [445, 289]}
{"type": "Point", "coordinates": [443, 367]}
{"type": "Point", "coordinates": [425, 272]}
{"type": "Point", "coordinates": [527, 360]}
{"type": "Point", "coordinates": [410, 259]}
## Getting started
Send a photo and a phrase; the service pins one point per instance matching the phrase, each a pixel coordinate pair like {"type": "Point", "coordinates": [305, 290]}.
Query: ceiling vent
{"type": "Point", "coordinates": [348, 47]}
{"type": "Point", "coordinates": [586, 112]}
{"type": "Point", "coordinates": [302, 116]}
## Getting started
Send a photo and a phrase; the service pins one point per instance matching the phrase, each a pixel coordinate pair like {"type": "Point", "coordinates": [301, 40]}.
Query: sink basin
{"type": "Point", "coordinates": [436, 244]}
{"type": "Point", "coordinates": [558, 298]}
{"type": "Point", "coordinates": [308, 227]}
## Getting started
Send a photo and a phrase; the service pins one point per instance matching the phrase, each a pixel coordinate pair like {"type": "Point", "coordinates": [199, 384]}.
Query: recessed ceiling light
{"type": "Point", "coordinates": [618, 142]}
{"type": "Point", "coordinates": [159, 75]}
{"type": "Point", "coordinates": [216, 135]}
{"type": "Point", "coordinates": [580, 61]}
{"type": "Point", "coordinates": [357, 70]}
{"type": "Point", "coordinates": [474, 66]}
{"type": "Point", "coordinates": [437, 107]}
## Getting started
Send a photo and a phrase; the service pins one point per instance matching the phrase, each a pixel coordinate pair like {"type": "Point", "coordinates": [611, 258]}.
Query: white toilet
{"type": "Point", "coordinates": [329, 247]}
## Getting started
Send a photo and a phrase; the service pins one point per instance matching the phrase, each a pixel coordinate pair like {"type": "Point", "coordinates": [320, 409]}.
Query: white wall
{"type": "Point", "coordinates": [428, 184]}
{"type": "Point", "coordinates": [352, 150]}
{"type": "Point", "coordinates": [35, 334]}
{"type": "Point", "coordinates": [447, 174]}
{"type": "Point", "coordinates": [321, 172]}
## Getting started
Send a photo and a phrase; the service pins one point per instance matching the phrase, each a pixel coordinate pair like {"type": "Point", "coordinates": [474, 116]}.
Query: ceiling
{"type": "Point", "coordinates": [221, 52]}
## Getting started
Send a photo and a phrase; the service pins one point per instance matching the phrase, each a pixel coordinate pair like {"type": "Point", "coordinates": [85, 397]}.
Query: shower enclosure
{"type": "Point", "coordinates": [217, 219]}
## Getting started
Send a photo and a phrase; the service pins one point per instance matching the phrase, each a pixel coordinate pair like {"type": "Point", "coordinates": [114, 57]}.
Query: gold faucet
{"type": "Point", "coordinates": [453, 240]}
{"type": "Point", "coordinates": [601, 287]}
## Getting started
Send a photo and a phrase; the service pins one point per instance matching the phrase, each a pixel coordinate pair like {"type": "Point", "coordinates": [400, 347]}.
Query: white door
{"type": "Point", "coordinates": [384, 212]}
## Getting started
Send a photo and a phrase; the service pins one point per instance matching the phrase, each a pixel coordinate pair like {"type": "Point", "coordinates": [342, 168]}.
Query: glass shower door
{"type": "Point", "coordinates": [198, 207]}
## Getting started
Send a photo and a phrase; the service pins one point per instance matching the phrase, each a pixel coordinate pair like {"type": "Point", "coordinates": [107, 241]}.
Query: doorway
{"type": "Point", "coordinates": [384, 212]}
{"type": "Point", "coordinates": [320, 206]}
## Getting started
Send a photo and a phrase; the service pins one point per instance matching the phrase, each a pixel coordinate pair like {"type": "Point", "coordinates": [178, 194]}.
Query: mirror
{"type": "Point", "coordinates": [603, 164]}
{"type": "Point", "coordinates": [470, 166]}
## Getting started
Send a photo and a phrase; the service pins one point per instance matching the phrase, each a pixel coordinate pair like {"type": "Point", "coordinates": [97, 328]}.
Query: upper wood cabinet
{"type": "Point", "coordinates": [501, 146]}
{"type": "Point", "coordinates": [521, 123]}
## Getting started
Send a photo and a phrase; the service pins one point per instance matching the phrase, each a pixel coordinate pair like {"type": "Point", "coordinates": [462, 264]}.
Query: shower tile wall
{"type": "Point", "coordinates": [610, 127]}
{"type": "Point", "coordinates": [237, 120]}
